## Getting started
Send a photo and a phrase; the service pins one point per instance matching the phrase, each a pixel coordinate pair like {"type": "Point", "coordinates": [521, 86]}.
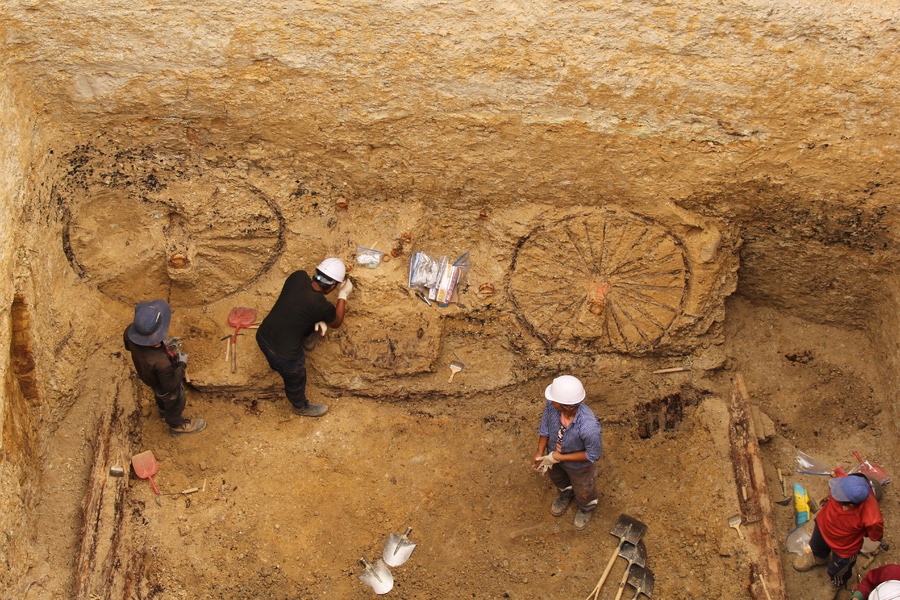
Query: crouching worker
{"type": "Point", "coordinates": [882, 583]}
{"type": "Point", "coordinates": [300, 315]}
{"type": "Point", "coordinates": [849, 514]}
{"type": "Point", "coordinates": [158, 366]}
{"type": "Point", "coordinates": [573, 436]}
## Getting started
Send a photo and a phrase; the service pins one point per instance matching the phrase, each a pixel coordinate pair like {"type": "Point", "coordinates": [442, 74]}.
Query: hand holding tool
{"type": "Point", "coordinates": [344, 289]}
{"type": "Point", "coordinates": [321, 327]}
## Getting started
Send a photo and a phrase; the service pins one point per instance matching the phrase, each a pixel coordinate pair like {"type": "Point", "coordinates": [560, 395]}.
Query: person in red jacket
{"type": "Point", "coordinates": [885, 580]}
{"type": "Point", "coordinates": [849, 514]}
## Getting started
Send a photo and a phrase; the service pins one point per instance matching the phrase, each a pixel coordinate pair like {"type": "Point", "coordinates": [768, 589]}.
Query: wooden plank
{"type": "Point", "coordinates": [105, 567]}
{"type": "Point", "coordinates": [766, 575]}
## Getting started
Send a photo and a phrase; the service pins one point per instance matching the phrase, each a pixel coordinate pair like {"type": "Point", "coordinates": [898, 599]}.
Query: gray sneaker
{"type": "Point", "coordinates": [559, 506]}
{"type": "Point", "coordinates": [189, 426]}
{"type": "Point", "coordinates": [582, 518]}
{"type": "Point", "coordinates": [311, 410]}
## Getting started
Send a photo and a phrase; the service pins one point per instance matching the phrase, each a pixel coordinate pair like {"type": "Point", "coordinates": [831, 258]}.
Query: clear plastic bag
{"type": "Point", "coordinates": [798, 539]}
{"type": "Point", "coordinates": [807, 465]}
{"type": "Point", "coordinates": [368, 257]}
{"type": "Point", "coordinates": [424, 272]}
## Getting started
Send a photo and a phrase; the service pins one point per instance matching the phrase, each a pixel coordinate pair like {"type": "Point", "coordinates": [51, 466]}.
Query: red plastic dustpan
{"type": "Point", "coordinates": [145, 467]}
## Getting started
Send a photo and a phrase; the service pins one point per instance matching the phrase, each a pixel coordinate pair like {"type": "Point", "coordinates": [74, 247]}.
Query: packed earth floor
{"type": "Point", "coordinates": [287, 506]}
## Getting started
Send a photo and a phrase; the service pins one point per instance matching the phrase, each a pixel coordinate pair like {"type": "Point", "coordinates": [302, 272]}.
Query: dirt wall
{"type": "Point", "coordinates": [18, 467]}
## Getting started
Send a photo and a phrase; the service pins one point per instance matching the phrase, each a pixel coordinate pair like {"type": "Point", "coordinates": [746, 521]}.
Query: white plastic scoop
{"type": "Point", "coordinates": [377, 576]}
{"type": "Point", "coordinates": [398, 548]}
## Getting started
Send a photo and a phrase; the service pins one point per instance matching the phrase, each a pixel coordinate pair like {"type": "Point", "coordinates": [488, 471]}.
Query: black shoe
{"type": "Point", "coordinates": [311, 410]}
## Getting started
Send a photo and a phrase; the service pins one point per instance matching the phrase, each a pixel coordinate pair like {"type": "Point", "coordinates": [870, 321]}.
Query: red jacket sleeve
{"type": "Point", "coordinates": [875, 577]}
{"type": "Point", "coordinates": [872, 518]}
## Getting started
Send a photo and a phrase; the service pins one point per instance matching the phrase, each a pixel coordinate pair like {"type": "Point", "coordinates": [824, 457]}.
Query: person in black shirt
{"type": "Point", "coordinates": [299, 315]}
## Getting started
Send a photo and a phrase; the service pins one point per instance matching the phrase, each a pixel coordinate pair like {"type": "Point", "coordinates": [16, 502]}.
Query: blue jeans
{"type": "Point", "coordinates": [292, 371]}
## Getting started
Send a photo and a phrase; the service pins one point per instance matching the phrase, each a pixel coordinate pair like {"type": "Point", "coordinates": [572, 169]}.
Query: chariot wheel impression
{"type": "Point", "coordinates": [606, 280]}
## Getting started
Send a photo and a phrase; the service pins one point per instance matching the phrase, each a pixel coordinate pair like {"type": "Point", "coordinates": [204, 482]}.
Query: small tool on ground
{"type": "Point", "coordinates": [671, 370]}
{"type": "Point", "coordinates": [145, 467]}
{"type": "Point", "coordinates": [787, 499]}
{"type": "Point", "coordinates": [735, 521]}
{"type": "Point", "coordinates": [182, 492]}
{"type": "Point", "coordinates": [627, 529]}
{"type": "Point", "coordinates": [240, 317]}
{"type": "Point", "coordinates": [398, 548]}
{"type": "Point", "coordinates": [377, 576]}
{"type": "Point", "coordinates": [455, 367]}
{"type": "Point", "coordinates": [634, 554]}
{"type": "Point", "coordinates": [642, 580]}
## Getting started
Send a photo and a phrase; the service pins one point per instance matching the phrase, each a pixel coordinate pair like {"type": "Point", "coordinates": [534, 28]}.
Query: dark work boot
{"type": "Point", "coordinates": [559, 506]}
{"type": "Point", "coordinates": [311, 410]}
{"type": "Point", "coordinates": [189, 426]}
{"type": "Point", "coordinates": [582, 518]}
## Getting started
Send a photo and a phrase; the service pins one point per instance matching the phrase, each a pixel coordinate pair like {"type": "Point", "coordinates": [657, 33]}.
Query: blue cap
{"type": "Point", "coordinates": [151, 323]}
{"type": "Point", "coordinates": [850, 489]}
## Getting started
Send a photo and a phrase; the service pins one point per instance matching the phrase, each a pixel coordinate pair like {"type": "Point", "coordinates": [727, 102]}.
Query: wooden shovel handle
{"type": "Point", "coordinates": [622, 583]}
{"type": "Point", "coordinates": [596, 591]}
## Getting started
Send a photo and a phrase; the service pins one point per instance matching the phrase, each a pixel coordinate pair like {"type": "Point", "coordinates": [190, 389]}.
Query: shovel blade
{"type": "Point", "coordinates": [641, 579]}
{"type": "Point", "coordinates": [378, 577]}
{"type": "Point", "coordinates": [397, 549]}
{"type": "Point", "coordinates": [629, 529]}
{"type": "Point", "coordinates": [635, 554]}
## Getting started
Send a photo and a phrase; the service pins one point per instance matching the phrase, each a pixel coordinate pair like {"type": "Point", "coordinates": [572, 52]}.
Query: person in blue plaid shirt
{"type": "Point", "coordinates": [570, 442]}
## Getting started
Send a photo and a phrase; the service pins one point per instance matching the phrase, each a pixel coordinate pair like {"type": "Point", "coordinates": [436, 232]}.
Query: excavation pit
{"type": "Point", "coordinates": [630, 201]}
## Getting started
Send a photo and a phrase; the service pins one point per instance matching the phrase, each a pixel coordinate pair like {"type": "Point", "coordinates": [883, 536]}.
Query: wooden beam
{"type": "Point", "coordinates": [757, 508]}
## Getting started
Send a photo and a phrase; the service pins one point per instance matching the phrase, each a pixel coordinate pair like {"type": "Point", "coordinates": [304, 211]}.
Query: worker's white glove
{"type": "Point", "coordinates": [547, 461]}
{"type": "Point", "coordinates": [321, 327]}
{"type": "Point", "coordinates": [344, 289]}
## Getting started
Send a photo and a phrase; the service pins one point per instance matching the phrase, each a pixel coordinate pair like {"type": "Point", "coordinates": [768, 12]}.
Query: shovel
{"type": "Point", "coordinates": [641, 579]}
{"type": "Point", "coordinates": [398, 548]}
{"type": "Point", "coordinates": [378, 576]}
{"type": "Point", "coordinates": [627, 529]}
{"type": "Point", "coordinates": [145, 467]}
{"type": "Point", "coordinates": [240, 317]}
{"type": "Point", "coordinates": [635, 554]}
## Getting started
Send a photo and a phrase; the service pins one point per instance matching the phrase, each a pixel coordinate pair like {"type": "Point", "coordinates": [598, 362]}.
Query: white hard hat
{"type": "Point", "coordinates": [333, 269]}
{"type": "Point", "coordinates": [889, 590]}
{"type": "Point", "coordinates": [565, 389]}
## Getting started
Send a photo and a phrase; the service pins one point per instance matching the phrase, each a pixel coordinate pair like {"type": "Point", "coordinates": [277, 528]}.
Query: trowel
{"type": "Point", "coordinates": [378, 576]}
{"type": "Point", "coordinates": [398, 548]}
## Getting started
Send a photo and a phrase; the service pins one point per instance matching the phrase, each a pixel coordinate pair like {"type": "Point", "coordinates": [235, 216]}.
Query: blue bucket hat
{"type": "Point", "coordinates": [151, 323]}
{"type": "Point", "coordinates": [849, 489]}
